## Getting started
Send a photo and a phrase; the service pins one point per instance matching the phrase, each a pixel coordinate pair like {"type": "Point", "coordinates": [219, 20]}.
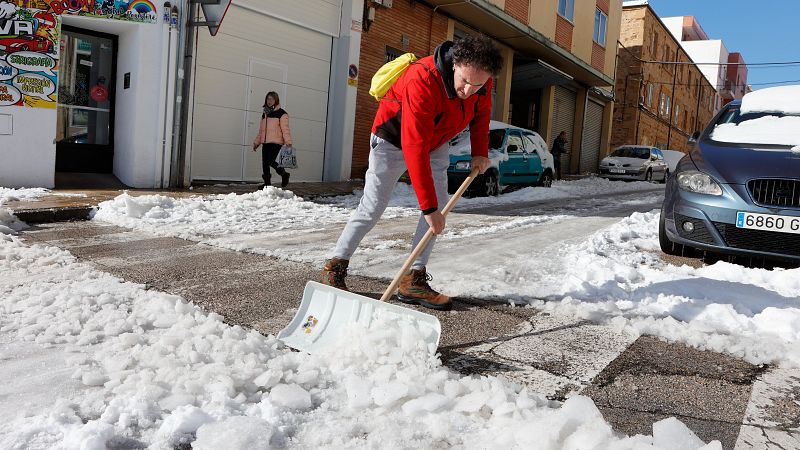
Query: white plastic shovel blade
{"type": "Point", "coordinates": [326, 311]}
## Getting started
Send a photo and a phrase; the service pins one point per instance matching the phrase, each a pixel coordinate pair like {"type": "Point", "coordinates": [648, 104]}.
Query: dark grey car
{"type": "Point", "coordinates": [738, 190]}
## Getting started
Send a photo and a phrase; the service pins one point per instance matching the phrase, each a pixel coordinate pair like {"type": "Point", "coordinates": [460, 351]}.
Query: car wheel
{"type": "Point", "coordinates": [546, 180]}
{"type": "Point", "coordinates": [648, 176]}
{"type": "Point", "coordinates": [666, 245]}
{"type": "Point", "coordinates": [490, 186]}
{"type": "Point", "coordinates": [666, 175]}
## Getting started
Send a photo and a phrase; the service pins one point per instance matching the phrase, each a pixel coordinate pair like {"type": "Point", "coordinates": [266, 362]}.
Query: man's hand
{"type": "Point", "coordinates": [255, 147]}
{"type": "Point", "coordinates": [481, 163]}
{"type": "Point", "coordinates": [435, 221]}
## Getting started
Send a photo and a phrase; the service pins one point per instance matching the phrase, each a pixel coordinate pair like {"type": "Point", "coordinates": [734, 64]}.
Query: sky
{"type": "Point", "coordinates": [759, 32]}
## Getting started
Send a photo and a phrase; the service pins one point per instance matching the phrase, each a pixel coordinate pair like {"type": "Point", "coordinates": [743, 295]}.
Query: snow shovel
{"type": "Point", "coordinates": [326, 311]}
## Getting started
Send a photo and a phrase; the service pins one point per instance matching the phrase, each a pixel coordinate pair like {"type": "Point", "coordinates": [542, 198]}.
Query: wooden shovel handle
{"type": "Point", "coordinates": [428, 236]}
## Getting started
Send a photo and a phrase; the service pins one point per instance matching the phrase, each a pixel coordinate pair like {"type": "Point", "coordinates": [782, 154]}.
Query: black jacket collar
{"type": "Point", "coordinates": [443, 58]}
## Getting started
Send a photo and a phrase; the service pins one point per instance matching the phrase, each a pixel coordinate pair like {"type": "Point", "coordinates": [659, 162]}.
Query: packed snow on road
{"type": "Point", "coordinates": [107, 362]}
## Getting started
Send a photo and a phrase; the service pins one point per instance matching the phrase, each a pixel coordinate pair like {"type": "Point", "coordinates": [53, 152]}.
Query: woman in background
{"type": "Point", "coordinates": [273, 133]}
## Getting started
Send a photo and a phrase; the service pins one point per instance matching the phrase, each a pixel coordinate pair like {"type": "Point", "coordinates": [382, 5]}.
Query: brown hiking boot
{"type": "Point", "coordinates": [414, 289]}
{"type": "Point", "coordinates": [334, 273]}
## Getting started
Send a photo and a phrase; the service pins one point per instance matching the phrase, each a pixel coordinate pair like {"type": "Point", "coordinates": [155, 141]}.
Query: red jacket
{"type": "Point", "coordinates": [432, 114]}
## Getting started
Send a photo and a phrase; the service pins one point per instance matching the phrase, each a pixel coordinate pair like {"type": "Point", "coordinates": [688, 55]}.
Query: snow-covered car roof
{"type": "Point", "coordinates": [634, 146]}
{"type": "Point", "coordinates": [497, 125]}
{"type": "Point", "coordinates": [780, 99]}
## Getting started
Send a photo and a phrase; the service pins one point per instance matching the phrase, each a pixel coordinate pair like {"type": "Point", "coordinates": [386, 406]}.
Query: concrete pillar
{"type": "Point", "coordinates": [577, 131]}
{"type": "Point", "coordinates": [503, 98]}
{"type": "Point", "coordinates": [342, 95]}
{"type": "Point", "coordinates": [546, 116]}
{"type": "Point", "coordinates": [605, 137]}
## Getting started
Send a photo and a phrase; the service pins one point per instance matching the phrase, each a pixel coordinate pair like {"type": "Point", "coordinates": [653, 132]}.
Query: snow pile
{"type": "Point", "coordinates": [618, 276]}
{"type": "Point", "coordinates": [780, 99]}
{"type": "Point", "coordinates": [11, 195]}
{"type": "Point", "coordinates": [9, 224]}
{"type": "Point", "coordinates": [763, 130]}
{"type": "Point", "coordinates": [163, 373]}
{"type": "Point", "coordinates": [270, 209]}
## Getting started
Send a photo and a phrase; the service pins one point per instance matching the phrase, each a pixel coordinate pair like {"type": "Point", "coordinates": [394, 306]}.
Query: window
{"type": "Point", "coordinates": [566, 9]}
{"type": "Point", "coordinates": [677, 113]}
{"type": "Point", "coordinates": [534, 143]}
{"type": "Point", "coordinates": [654, 45]}
{"type": "Point", "coordinates": [516, 140]}
{"type": "Point", "coordinates": [666, 111]}
{"type": "Point", "coordinates": [661, 103]}
{"type": "Point", "coordinates": [650, 94]}
{"type": "Point", "coordinates": [600, 20]}
{"type": "Point", "coordinates": [392, 54]}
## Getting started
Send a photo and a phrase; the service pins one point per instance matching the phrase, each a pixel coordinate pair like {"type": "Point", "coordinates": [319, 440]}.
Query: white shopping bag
{"type": "Point", "coordinates": [287, 157]}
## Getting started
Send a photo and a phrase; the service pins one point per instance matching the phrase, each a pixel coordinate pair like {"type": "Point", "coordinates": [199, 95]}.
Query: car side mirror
{"type": "Point", "coordinates": [512, 148]}
{"type": "Point", "coordinates": [694, 137]}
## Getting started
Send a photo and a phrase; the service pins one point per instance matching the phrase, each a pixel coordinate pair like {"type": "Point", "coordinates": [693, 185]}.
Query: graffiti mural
{"type": "Point", "coordinates": [131, 10]}
{"type": "Point", "coordinates": [28, 56]}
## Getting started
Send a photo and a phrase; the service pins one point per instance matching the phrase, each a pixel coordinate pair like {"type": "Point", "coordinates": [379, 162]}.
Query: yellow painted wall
{"type": "Point", "coordinates": [584, 29]}
{"type": "Point", "coordinates": [542, 17]}
{"type": "Point", "coordinates": [612, 36]}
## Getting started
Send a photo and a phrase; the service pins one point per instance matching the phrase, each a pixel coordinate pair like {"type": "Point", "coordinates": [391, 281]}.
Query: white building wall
{"type": "Point", "coordinates": [342, 98]}
{"type": "Point", "coordinates": [139, 115]}
{"type": "Point", "coordinates": [674, 25]}
{"type": "Point", "coordinates": [28, 154]}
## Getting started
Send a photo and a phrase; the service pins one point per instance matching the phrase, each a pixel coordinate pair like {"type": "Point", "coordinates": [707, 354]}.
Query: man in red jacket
{"type": "Point", "coordinates": [432, 101]}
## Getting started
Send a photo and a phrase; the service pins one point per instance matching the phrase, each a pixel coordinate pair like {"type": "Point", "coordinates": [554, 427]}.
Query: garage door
{"type": "Point", "coordinates": [592, 132]}
{"type": "Point", "coordinates": [262, 47]}
{"type": "Point", "coordinates": [563, 120]}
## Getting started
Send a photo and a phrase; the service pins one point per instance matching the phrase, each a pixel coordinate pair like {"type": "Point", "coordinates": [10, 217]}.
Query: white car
{"type": "Point", "coordinates": [635, 162]}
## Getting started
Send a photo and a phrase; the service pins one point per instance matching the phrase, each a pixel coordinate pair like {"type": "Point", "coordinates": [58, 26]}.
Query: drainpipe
{"type": "Point", "coordinates": [163, 164]}
{"type": "Point", "coordinates": [184, 64]}
{"type": "Point", "coordinates": [671, 112]}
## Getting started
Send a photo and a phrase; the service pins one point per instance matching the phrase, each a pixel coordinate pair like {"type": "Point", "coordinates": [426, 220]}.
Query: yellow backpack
{"type": "Point", "coordinates": [388, 74]}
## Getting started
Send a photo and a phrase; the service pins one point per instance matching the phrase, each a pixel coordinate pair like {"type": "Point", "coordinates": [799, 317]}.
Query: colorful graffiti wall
{"type": "Point", "coordinates": [131, 10]}
{"type": "Point", "coordinates": [29, 41]}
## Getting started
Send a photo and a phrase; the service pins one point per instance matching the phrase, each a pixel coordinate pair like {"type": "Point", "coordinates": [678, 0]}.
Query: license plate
{"type": "Point", "coordinates": [616, 170]}
{"type": "Point", "coordinates": [768, 222]}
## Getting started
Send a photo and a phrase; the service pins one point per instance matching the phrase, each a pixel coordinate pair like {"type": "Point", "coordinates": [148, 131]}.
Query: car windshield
{"type": "Point", "coordinates": [766, 128]}
{"type": "Point", "coordinates": [631, 152]}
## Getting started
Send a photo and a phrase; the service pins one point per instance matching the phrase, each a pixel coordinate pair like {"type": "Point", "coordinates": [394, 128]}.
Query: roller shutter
{"type": "Point", "coordinates": [563, 120]}
{"type": "Point", "coordinates": [592, 132]}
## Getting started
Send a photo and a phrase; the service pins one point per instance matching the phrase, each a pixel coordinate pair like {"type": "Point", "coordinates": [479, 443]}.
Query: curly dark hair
{"type": "Point", "coordinates": [478, 51]}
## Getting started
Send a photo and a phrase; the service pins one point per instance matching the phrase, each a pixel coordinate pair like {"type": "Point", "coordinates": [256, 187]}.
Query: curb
{"type": "Point", "coordinates": [50, 215]}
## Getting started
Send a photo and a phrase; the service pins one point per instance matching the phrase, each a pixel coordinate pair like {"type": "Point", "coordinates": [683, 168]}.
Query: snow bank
{"type": "Point", "coordinates": [618, 276]}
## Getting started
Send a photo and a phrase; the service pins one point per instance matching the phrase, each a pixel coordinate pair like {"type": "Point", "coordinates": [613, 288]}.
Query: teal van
{"type": "Point", "coordinates": [519, 158]}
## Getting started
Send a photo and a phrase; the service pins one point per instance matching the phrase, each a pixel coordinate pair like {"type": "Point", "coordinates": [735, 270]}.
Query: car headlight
{"type": "Point", "coordinates": [463, 165]}
{"type": "Point", "coordinates": [694, 181]}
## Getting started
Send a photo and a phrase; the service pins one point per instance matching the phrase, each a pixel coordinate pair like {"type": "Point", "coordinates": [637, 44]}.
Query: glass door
{"type": "Point", "coordinates": [85, 125]}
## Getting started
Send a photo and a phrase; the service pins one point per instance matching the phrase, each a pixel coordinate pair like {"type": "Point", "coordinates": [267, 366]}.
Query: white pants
{"type": "Point", "coordinates": [386, 165]}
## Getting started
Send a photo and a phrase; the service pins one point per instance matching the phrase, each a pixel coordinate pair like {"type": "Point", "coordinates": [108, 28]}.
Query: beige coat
{"type": "Point", "coordinates": [274, 129]}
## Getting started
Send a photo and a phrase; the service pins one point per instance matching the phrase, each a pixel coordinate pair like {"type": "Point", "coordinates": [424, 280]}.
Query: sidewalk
{"type": "Point", "coordinates": [76, 204]}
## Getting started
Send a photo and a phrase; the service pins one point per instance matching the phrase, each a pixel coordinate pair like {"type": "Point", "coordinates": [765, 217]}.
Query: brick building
{"type": "Point", "coordinates": [558, 66]}
{"type": "Point", "coordinates": [659, 104]}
